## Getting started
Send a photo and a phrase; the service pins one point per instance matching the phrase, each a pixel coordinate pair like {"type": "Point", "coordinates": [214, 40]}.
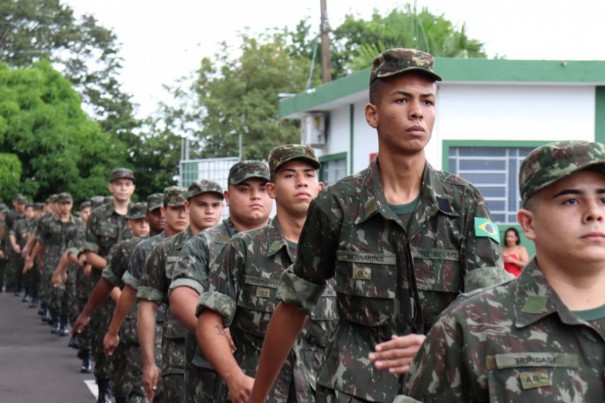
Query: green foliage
{"type": "Point", "coordinates": [238, 95]}
{"type": "Point", "coordinates": [356, 42]}
{"type": "Point", "coordinates": [43, 126]}
{"type": "Point", "coordinates": [10, 173]}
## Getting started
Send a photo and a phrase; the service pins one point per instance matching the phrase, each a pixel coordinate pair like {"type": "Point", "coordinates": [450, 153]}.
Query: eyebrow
{"type": "Point", "coordinates": [409, 94]}
{"type": "Point", "coordinates": [576, 192]}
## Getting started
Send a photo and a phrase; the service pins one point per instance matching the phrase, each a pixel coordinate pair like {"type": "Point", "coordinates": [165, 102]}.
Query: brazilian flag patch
{"type": "Point", "coordinates": [485, 228]}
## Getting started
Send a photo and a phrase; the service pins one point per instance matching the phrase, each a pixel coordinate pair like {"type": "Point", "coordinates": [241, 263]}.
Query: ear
{"type": "Point", "coordinates": [270, 188]}
{"type": "Point", "coordinates": [372, 115]}
{"type": "Point", "coordinates": [226, 196]}
{"type": "Point", "coordinates": [110, 188]}
{"type": "Point", "coordinates": [321, 186]}
{"type": "Point", "coordinates": [527, 222]}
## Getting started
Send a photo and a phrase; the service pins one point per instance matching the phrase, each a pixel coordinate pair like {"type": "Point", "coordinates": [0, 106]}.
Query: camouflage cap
{"type": "Point", "coordinates": [121, 173]}
{"type": "Point", "coordinates": [96, 201]}
{"type": "Point", "coordinates": [54, 198]}
{"type": "Point", "coordinates": [175, 196]}
{"type": "Point", "coordinates": [65, 197]}
{"type": "Point", "coordinates": [4, 208]}
{"type": "Point", "coordinates": [243, 170]}
{"type": "Point", "coordinates": [136, 211]}
{"type": "Point", "coordinates": [398, 60]}
{"type": "Point", "coordinates": [20, 199]}
{"type": "Point", "coordinates": [38, 206]}
{"type": "Point", "coordinates": [204, 186]}
{"type": "Point", "coordinates": [288, 152]}
{"type": "Point", "coordinates": [551, 162]}
{"type": "Point", "coordinates": [155, 201]}
{"type": "Point", "coordinates": [84, 204]}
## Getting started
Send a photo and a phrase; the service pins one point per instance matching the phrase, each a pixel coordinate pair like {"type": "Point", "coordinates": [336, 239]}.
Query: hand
{"type": "Point", "coordinates": [87, 270]}
{"type": "Point", "coordinates": [151, 375]}
{"type": "Point", "coordinates": [110, 343]}
{"type": "Point", "coordinates": [240, 388]}
{"type": "Point", "coordinates": [28, 264]}
{"type": "Point", "coordinates": [82, 260]}
{"type": "Point", "coordinates": [55, 279]}
{"type": "Point", "coordinates": [397, 354]}
{"type": "Point", "coordinates": [25, 251]}
{"type": "Point", "coordinates": [80, 323]}
{"type": "Point", "coordinates": [17, 249]}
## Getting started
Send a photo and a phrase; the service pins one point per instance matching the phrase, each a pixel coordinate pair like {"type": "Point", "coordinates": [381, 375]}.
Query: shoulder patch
{"type": "Point", "coordinates": [485, 228]}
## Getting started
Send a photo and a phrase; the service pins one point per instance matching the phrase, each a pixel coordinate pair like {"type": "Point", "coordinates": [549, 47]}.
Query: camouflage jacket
{"type": "Point", "coordinates": [192, 269]}
{"type": "Point", "coordinates": [516, 342]}
{"type": "Point", "coordinates": [22, 229]}
{"type": "Point", "coordinates": [136, 261]}
{"type": "Point", "coordinates": [246, 277]}
{"type": "Point", "coordinates": [55, 236]}
{"type": "Point", "coordinates": [391, 278]}
{"type": "Point", "coordinates": [105, 228]}
{"type": "Point", "coordinates": [154, 285]}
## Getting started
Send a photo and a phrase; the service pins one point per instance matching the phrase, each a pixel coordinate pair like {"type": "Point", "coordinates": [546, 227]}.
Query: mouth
{"type": "Point", "coordinates": [302, 195]}
{"type": "Point", "coordinates": [596, 235]}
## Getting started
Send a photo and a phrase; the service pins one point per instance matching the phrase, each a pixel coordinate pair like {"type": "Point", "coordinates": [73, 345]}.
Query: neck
{"type": "Point", "coordinates": [171, 231]}
{"type": "Point", "coordinates": [401, 177]}
{"type": "Point", "coordinates": [579, 289]}
{"type": "Point", "coordinates": [291, 226]}
{"type": "Point", "coordinates": [247, 226]}
{"type": "Point", "coordinates": [121, 207]}
{"type": "Point", "coordinates": [64, 217]}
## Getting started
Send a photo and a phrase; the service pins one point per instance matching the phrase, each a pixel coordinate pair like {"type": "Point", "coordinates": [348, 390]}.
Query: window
{"type": "Point", "coordinates": [495, 172]}
{"type": "Point", "coordinates": [333, 168]}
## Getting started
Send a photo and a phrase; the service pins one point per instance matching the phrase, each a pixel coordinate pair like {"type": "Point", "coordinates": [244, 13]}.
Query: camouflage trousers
{"type": "Point", "coordinates": [174, 388]}
{"type": "Point", "coordinates": [203, 385]}
{"type": "Point", "coordinates": [2, 272]}
{"type": "Point", "coordinates": [326, 395]}
{"type": "Point", "coordinates": [13, 270]}
{"type": "Point", "coordinates": [46, 286]}
{"type": "Point", "coordinates": [99, 322]}
{"type": "Point", "coordinates": [31, 282]}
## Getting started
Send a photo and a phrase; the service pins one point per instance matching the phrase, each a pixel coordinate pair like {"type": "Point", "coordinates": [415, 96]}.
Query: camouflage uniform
{"type": "Point", "coordinates": [391, 278]}
{"type": "Point", "coordinates": [155, 282]}
{"type": "Point", "coordinates": [246, 277]}
{"type": "Point", "coordinates": [21, 231]}
{"type": "Point", "coordinates": [14, 261]}
{"type": "Point", "coordinates": [105, 228]}
{"type": "Point", "coordinates": [202, 383]}
{"type": "Point", "coordinates": [132, 277]}
{"type": "Point", "coordinates": [518, 342]}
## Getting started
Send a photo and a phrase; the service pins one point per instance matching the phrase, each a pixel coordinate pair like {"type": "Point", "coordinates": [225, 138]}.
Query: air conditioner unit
{"type": "Point", "coordinates": [313, 130]}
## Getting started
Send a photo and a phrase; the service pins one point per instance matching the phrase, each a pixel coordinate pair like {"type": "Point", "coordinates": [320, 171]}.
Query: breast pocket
{"type": "Point", "coordinates": [256, 304]}
{"type": "Point", "coordinates": [534, 377]}
{"type": "Point", "coordinates": [366, 284]}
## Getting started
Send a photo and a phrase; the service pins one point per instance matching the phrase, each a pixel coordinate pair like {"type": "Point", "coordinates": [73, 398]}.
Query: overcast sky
{"type": "Point", "coordinates": [164, 40]}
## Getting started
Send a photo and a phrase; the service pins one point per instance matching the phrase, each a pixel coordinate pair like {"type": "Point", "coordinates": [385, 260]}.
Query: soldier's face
{"type": "Point", "coordinates": [65, 207]}
{"type": "Point", "coordinates": [296, 184]}
{"type": "Point", "coordinates": [404, 116]}
{"type": "Point", "coordinates": [29, 212]}
{"type": "Point", "coordinates": [139, 227]}
{"type": "Point", "coordinates": [85, 213]}
{"type": "Point", "coordinates": [177, 218]}
{"type": "Point", "coordinates": [249, 202]}
{"type": "Point", "coordinates": [205, 210]}
{"type": "Point", "coordinates": [567, 223]}
{"type": "Point", "coordinates": [157, 219]}
{"type": "Point", "coordinates": [122, 189]}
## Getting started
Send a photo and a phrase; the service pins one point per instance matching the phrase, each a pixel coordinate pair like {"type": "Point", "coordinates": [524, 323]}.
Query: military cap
{"type": "Point", "coordinates": [38, 206]}
{"type": "Point", "coordinates": [136, 211]}
{"type": "Point", "coordinates": [204, 186]}
{"type": "Point", "coordinates": [20, 199]}
{"type": "Point", "coordinates": [121, 173]}
{"type": "Point", "coordinates": [244, 170]}
{"type": "Point", "coordinates": [398, 60]}
{"type": "Point", "coordinates": [54, 198]}
{"type": "Point", "coordinates": [4, 208]}
{"type": "Point", "coordinates": [84, 205]}
{"type": "Point", "coordinates": [96, 201]}
{"type": "Point", "coordinates": [288, 152]}
{"type": "Point", "coordinates": [175, 196]}
{"type": "Point", "coordinates": [155, 201]}
{"type": "Point", "coordinates": [64, 197]}
{"type": "Point", "coordinates": [551, 162]}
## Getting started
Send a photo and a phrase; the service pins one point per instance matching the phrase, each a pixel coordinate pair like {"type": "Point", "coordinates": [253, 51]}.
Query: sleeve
{"type": "Point", "coordinates": [153, 277]}
{"type": "Point", "coordinates": [191, 267]}
{"type": "Point", "coordinates": [92, 239]}
{"type": "Point", "coordinates": [482, 258]}
{"type": "Point", "coordinates": [132, 274]}
{"type": "Point", "coordinates": [303, 283]}
{"type": "Point", "coordinates": [116, 257]}
{"type": "Point", "coordinates": [224, 276]}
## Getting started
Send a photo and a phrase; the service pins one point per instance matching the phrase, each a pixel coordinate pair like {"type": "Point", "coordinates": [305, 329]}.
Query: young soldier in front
{"type": "Point", "coordinates": [400, 239]}
{"type": "Point", "coordinates": [246, 278]}
{"type": "Point", "coordinates": [541, 337]}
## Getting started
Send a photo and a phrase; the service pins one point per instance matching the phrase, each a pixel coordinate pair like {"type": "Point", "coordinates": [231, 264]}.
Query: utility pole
{"type": "Point", "coordinates": [326, 73]}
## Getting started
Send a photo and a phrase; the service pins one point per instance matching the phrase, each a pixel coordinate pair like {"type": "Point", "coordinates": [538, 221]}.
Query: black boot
{"type": "Point", "coordinates": [104, 385]}
{"type": "Point", "coordinates": [33, 303]}
{"type": "Point", "coordinates": [84, 354]}
{"type": "Point", "coordinates": [121, 399]}
{"type": "Point", "coordinates": [73, 341]}
{"type": "Point", "coordinates": [55, 322]}
{"type": "Point", "coordinates": [64, 327]}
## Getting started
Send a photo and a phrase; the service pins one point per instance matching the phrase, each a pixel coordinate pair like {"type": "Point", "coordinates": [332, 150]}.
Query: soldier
{"type": "Point", "coordinates": [400, 238]}
{"type": "Point", "coordinates": [12, 252]}
{"type": "Point", "coordinates": [249, 208]}
{"type": "Point", "coordinates": [204, 206]}
{"type": "Point", "coordinates": [18, 237]}
{"type": "Point", "coordinates": [54, 238]}
{"type": "Point", "coordinates": [246, 277]}
{"type": "Point", "coordinates": [106, 226]}
{"type": "Point", "coordinates": [540, 337]}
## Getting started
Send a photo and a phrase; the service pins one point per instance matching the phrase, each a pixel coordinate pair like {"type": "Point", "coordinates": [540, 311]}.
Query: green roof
{"type": "Point", "coordinates": [354, 87]}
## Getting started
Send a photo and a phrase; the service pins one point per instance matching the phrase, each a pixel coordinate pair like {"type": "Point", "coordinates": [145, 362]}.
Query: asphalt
{"type": "Point", "coordinates": [35, 365]}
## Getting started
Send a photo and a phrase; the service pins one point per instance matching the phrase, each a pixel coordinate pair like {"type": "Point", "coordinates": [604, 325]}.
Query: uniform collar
{"type": "Point", "coordinates": [275, 238]}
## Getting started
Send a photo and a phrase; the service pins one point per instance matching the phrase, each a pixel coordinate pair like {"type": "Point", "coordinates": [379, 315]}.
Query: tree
{"type": "Point", "coordinates": [84, 51]}
{"type": "Point", "coordinates": [356, 41]}
{"type": "Point", "coordinates": [46, 136]}
{"type": "Point", "coordinates": [238, 96]}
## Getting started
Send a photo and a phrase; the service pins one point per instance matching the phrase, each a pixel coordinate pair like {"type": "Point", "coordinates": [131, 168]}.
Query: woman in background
{"type": "Point", "coordinates": [514, 254]}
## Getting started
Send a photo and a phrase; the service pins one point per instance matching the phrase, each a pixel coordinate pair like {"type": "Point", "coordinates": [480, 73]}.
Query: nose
{"type": "Point", "coordinates": [301, 180]}
{"type": "Point", "coordinates": [415, 110]}
{"type": "Point", "coordinates": [594, 211]}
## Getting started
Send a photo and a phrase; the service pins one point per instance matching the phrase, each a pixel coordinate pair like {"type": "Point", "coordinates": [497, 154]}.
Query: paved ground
{"type": "Point", "coordinates": [35, 365]}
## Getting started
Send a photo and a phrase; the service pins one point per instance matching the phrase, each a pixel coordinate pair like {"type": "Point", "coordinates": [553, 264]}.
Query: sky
{"type": "Point", "coordinates": [165, 40]}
